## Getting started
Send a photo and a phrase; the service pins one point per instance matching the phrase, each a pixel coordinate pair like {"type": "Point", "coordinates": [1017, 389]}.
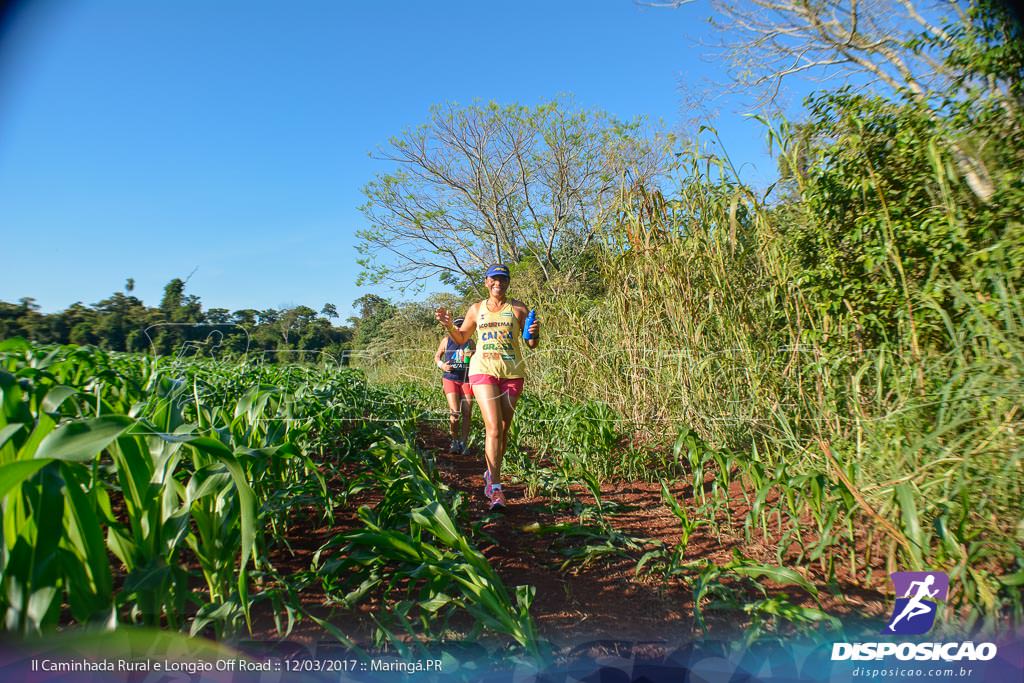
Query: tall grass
{"type": "Point", "coordinates": [855, 346]}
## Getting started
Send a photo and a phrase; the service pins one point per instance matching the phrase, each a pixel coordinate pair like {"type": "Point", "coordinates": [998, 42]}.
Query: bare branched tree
{"type": "Point", "coordinates": [899, 44]}
{"type": "Point", "coordinates": [765, 41]}
{"type": "Point", "coordinates": [487, 182]}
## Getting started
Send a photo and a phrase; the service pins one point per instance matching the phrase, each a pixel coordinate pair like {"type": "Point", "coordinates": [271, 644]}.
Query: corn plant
{"type": "Point", "coordinates": [412, 552]}
{"type": "Point", "coordinates": [710, 583]}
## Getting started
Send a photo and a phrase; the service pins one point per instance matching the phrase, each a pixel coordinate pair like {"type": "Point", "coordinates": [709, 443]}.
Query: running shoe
{"type": "Point", "coordinates": [453, 447]}
{"type": "Point", "coordinates": [487, 483]}
{"type": "Point", "coordinates": [497, 499]}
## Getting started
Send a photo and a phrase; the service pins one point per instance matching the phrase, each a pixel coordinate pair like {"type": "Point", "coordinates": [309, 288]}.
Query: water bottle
{"type": "Point", "coordinates": [530, 317]}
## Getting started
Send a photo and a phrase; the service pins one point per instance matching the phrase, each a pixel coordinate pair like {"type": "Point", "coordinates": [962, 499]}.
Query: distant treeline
{"type": "Point", "coordinates": [180, 325]}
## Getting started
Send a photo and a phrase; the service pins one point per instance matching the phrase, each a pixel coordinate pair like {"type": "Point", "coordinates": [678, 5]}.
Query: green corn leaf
{"type": "Point", "coordinates": [911, 524]}
{"type": "Point", "coordinates": [9, 447]}
{"type": "Point", "coordinates": [8, 431]}
{"type": "Point", "coordinates": [123, 547]}
{"type": "Point", "coordinates": [247, 505]}
{"type": "Point", "coordinates": [40, 604]}
{"type": "Point", "coordinates": [15, 345]}
{"type": "Point", "coordinates": [14, 473]}
{"type": "Point", "coordinates": [83, 440]}
{"type": "Point", "coordinates": [759, 501]}
{"type": "Point", "coordinates": [148, 577]}
{"type": "Point", "coordinates": [434, 518]}
{"type": "Point", "coordinates": [55, 397]}
{"type": "Point", "coordinates": [673, 504]}
{"type": "Point", "coordinates": [436, 602]}
{"type": "Point", "coordinates": [85, 605]}
{"type": "Point", "coordinates": [213, 613]}
{"type": "Point", "coordinates": [86, 535]}
{"type": "Point", "coordinates": [524, 598]}
{"type": "Point", "coordinates": [34, 561]}
{"type": "Point", "coordinates": [780, 575]}
{"type": "Point", "coordinates": [44, 426]}
{"type": "Point", "coordinates": [206, 481]}
{"type": "Point", "coordinates": [212, 447]}
{"type": "Point", "coordinates": [134, 473]}
{"type": "Point", "coordinates": [1014, 580]}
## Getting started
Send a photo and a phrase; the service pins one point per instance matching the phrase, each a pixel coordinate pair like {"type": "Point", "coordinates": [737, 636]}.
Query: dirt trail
{"type": "Point", "coordinates": [602, 601]}
{"type": "Point", "coordinates": [606, 600]}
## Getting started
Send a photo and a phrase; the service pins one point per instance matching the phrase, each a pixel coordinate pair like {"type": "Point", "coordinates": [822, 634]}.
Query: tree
{"type": "Point", "coordinates": [218, 316]}
{"type": "Point", "coordinates": [293, 322]}
{"type": "Point", "coordinates": [488, 183]}
{"type": "Point", "coordinates": [9, 320]}
{"type": "Point", "coordinates": [177, 309]}
{"type": "Point", "coordinates": [268, 316]}
{"type": "Point", "coordinates": [370, 306]}
{"type": "Point", "coordinates": [318, 335]}
{"type": "Point", "coordinates": [905, 45]}
{"type": "Point", "coordinates": [329, 311]}
{"type": "Point", "coordinates": [174, 295]}
{"type": "Point", "coordinates": [246, 317]}
{"type": "Point", "coordinates": [116, 318]}
{"type": "Point", "coordinates": [373, 311]}
{"type": "Point", "coordinates": [82, 334]}
{"type": "Point", "coordinates": [191, 310]}
{"type": "Point", "coordinates": [766, 41]}
{"type": "Point", "coordinates": [24, 320]}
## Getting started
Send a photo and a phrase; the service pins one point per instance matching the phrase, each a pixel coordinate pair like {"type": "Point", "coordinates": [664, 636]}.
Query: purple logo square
{"type": "Point", "coordinates": [917, 598]}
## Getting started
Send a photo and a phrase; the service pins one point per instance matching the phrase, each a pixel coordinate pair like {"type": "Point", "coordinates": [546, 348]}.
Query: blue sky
{"type": "Point", "coordinates": [153, 139]}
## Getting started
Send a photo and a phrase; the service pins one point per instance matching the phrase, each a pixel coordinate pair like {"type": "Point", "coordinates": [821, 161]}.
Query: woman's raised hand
{"type": "Point", "coordinates": [443, 316]}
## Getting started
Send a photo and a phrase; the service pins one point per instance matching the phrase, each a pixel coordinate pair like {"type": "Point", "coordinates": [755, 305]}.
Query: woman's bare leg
{"type": "Point", "coordinates": [508, 409]}
{"type": "Point", "coordinates": [487, 395]}
{"type": "Point", "coordinates": [453, 414]}
{"type": "Point", "coordinates": [467, 417]}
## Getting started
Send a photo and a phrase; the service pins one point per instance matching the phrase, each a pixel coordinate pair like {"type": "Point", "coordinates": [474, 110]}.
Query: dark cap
{"type": "Point", "coordinates": [498, 270]}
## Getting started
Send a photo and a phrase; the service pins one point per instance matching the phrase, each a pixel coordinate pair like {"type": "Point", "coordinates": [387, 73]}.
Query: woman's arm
{"type": "Point", "coordinates": [439, 355]}
{"type": "Point", "coordinates": [520, 310]}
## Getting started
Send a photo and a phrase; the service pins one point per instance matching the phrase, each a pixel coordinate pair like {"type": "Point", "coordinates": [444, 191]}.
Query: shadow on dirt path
{"type": "Point", "coordinates": [607, 600]}
{"type": "Point", "coordinates": [576, 603]}
{"type": "Point", "coordinates": [602, 600]}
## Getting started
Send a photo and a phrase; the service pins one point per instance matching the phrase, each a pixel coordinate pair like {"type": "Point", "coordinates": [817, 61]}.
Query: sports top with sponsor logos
{"type": "Point", "coordinates": [498, 352]}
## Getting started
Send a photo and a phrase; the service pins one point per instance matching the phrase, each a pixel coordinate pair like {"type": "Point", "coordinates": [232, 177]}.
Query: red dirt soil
{"type": "Point", "coordinates": [605, 600]}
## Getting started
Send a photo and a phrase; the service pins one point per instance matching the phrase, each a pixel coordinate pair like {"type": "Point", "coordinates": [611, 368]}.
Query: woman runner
{"type": "Point", "coordinates": [453, 360]}
{"type": "Point", "coordinates": [497, 369]}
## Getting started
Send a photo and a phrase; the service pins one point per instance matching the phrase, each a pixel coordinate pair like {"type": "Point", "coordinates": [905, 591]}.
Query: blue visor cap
{"type": "Point", "coordinates": [497, 270]}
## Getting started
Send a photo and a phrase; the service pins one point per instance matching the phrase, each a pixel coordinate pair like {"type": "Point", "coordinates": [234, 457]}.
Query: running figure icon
{"type": "Point", "coordinates": [915, 607]}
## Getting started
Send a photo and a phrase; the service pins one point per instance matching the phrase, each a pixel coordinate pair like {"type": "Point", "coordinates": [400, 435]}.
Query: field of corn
{"type": "Point", "coordinates": [157, 492]}
{"type": "Point", "coordinates": [748, 410]}
{"type": "Point", "coordinates": [794, 467]}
